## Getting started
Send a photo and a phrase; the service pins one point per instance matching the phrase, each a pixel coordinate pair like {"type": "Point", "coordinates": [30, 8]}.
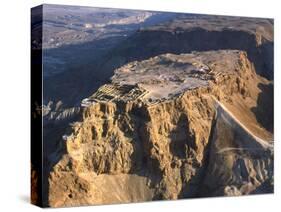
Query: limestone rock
{"type": "Point", "coordinates": [175, 141]}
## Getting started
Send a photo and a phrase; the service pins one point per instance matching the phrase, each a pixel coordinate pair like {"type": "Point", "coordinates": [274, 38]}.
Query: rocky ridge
{"type": "Point", "coordinates": [167, 141]}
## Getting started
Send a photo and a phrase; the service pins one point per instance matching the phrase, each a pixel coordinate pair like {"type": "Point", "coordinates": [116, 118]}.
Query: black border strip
{"type": "Point", "coordinates": [36, 105]}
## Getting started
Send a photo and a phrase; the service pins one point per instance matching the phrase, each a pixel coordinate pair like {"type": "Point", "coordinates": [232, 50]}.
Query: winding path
{"type": "Point", "coordinates": [265, 144]}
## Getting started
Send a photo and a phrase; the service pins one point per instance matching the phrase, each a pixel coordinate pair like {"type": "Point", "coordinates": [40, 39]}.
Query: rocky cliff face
{"type": "Point", "coordinates": [167, 141]}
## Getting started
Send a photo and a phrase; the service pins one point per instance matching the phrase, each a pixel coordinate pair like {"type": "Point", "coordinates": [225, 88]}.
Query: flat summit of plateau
{"type": "Point", "coordinates": [170, 75]}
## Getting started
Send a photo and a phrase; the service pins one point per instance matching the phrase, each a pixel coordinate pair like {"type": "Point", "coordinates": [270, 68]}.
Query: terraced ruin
{"type": "Point", "coordinates": [115, 92]}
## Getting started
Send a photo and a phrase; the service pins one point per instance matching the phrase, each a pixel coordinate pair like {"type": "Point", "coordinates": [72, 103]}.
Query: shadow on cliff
{"type": "Point", "coordinates": [265, 188]}
{"type": "Point", "coordinates": [194, 188]}
{"type": "Point", "coordinates": [54, 147]}
{"type": "Point", "coordinates": [181, 138]}
{"type": "Point", "coordinates": [264, 110]}
{"type": "Point", "coordinates": [53, 152]}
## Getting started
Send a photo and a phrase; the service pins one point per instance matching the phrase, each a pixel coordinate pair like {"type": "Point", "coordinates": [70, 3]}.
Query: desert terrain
{"type": "Point", "coordinates": [179, 106]}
